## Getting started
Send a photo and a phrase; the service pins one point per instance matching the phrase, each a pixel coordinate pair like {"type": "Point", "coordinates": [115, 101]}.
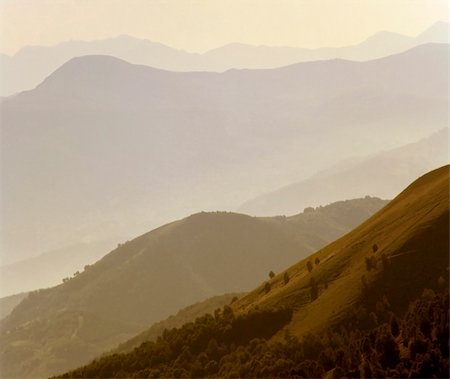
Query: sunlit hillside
{"type": "Point", "coordinates": [363, 282]}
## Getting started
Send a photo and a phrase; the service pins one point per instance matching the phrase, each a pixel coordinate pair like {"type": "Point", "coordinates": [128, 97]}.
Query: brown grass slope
{"type": "Point", "coordinates": [153, 276]}
{"type": "Point", "coordinates": [411, 232]}
{"type": "Point", "coordinates": [411, 236]}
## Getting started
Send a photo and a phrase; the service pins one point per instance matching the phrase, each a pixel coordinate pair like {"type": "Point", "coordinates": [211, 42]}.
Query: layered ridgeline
{"type": "Point", "coordinates": [153, 276]}
{"type": "Point", "coordinates": [8, 303]}
{"type": "Point", "coordinates": [348, 301]}
{"type": "Point", "coordinates": [135, 147]}
{"type": "Point", "coordinates": [382, 174]}
{"type": "Point", "coordinates": [48, 269]}
{"type": "Point", "coordinates": [19, 76]}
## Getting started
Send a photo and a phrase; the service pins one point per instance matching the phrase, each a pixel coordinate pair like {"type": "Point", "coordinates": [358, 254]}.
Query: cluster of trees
{"type": "Point", "coordinates": [309, 265]}
{"type": "Point", "coordinates": [268, 286]}
{"type": "Point", "coordinates": [76, 273]}
{"type": "Point", "coordinates": [226, 345]}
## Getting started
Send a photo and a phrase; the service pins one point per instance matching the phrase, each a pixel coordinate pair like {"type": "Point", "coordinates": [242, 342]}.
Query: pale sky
{"type": "Point", "coordinates": [199, 25]}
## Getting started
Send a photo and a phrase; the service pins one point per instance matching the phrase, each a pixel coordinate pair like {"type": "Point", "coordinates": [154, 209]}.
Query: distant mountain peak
{"type": "Point", "coordinates": [386, 34]}
{"type": "Point", "coordinates": [85, 63]}
{"type": "Point", "coordinates": [438, 32]}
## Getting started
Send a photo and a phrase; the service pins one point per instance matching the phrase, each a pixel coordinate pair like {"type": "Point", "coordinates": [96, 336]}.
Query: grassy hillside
{"type": "Point", "coordinates": [360, 283]}
{"type": "Point", "coordinates": [411, 235]}
{"type": "Point", "coordinates": [149, 278]}
{"type": "Point", "coordinates": [414, 346]}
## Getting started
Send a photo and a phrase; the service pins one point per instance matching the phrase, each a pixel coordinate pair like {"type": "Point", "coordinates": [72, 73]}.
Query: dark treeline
{"type": "Point", "coordinates": [226, 345]}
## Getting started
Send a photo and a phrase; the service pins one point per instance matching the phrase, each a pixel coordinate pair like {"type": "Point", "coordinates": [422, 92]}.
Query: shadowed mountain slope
{"type": "Point", "coordinates": [134, 147]}
{"type": "Point", "coordinates": [183, 316]}
{"type": "Point", "coordinates": [156, 274]}
{"type": "Point", "coordinates": [406, 243]}
{"type": "Point", "coordinates": [383, 174]}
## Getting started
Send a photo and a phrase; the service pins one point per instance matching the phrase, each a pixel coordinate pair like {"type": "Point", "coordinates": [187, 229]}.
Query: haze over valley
{"type": "Point", "coordinates": [211, 189]}
{"type": "Point", "coordinates": [133, 155]}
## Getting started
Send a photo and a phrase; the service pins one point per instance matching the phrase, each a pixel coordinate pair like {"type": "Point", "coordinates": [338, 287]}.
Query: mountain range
{"type": "Point", "coordinates": [18, 75]}
{"type": "Point", "coordinates": [134, 147]}
{"type": "Point", "coordinates": [153, 276]}
{"type": "Point", "coordinates": [50, 268]}
{"type": "Point", "coordinates": [106, 140]}
{"type": "Point", "coordinates": [380, 174]}
{"type": "Point", "coordinates": [333, 314]}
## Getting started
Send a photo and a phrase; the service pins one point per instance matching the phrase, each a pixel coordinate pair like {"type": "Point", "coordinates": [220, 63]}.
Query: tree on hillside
{"type": "Point", "coordinates": [271, 274]}
{"type": "Point", "coordinates": [267, 287]}
{"type": "Point", "coordinates": [384, 261]}
{"type": "Point", "coordinates": [395, 328]}
{"type": "Point", "coordinates": [371, 263]}
{"type": "Point", "coordinates": [238, 346]}
{"type": "Point", "coordinates": [317, 261]}
{"type": "Point", "coordinates": [286, 278]}
{"type": "Point", "coordinates": [314, 289]}
{"type": "Point", "coordinates": [375, 248]}
{"type": "Point", "coordinates": [364, 283]}
{"type": "Point", "coordinates": [387, 348]}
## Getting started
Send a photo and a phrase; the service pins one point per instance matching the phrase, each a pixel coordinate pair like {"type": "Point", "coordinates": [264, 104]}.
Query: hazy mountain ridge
{"type": "Point", "coordinates": [50, 268]}
{"type": "Point", "coordinates": [381, 174]}
{"type": "Point", "coordinates": [17, 74]}
{"type": "Point", "coordinates": [247, 211]}
{"type": "Point", "coordinates": [8, 303]}
{"type": "Point", "coordinates": [195, 138]}
{"type": "Point", "coordinates": [120, 295]}
{"type": "Point", "coordinates": [363, 282]}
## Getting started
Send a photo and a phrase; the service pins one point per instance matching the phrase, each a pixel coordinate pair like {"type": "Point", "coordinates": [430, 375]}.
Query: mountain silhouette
{"type": "Point", "coordinates": [18, 75]}
{"type": "Point", "coordinates": [134, 147]}
{"type": "Point", "coordinates": [382, 174]}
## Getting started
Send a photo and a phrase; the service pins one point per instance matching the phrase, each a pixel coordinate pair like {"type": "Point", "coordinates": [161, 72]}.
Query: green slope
{"type": "Point", "coordinates": [377, 269]}
{"type": "Point", "coordinates": [149, 278]}
{"type": "Point", "coordinates": [411, 233]}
